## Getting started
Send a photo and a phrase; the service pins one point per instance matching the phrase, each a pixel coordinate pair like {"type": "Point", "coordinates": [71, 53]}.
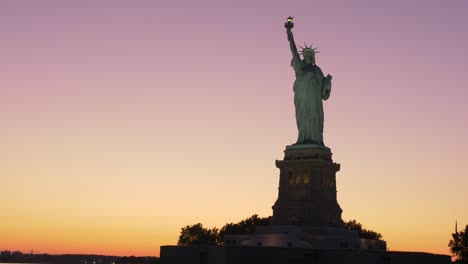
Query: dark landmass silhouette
{"type": "Point", "coordinates": [18, 257]}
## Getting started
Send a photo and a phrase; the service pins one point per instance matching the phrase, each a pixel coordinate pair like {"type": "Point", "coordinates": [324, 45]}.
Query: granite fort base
{"type": "Point", "coordinates": [276, 255]}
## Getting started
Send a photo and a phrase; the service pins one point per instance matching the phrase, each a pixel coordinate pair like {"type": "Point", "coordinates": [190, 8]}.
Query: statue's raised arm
{"type": "Point", "coordinates": [289, 25]}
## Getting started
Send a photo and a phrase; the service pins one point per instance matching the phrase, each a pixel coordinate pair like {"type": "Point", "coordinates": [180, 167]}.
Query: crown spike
{"type": "Point", "coordinates": [307, 49]}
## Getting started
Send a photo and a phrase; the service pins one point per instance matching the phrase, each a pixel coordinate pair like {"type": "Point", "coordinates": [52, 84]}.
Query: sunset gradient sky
{"type": "Point", "coordinates": [123, 121]}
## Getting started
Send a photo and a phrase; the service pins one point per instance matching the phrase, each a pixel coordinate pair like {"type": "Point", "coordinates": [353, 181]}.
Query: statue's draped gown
{"type": "Point", "coordinates": [310, 88]}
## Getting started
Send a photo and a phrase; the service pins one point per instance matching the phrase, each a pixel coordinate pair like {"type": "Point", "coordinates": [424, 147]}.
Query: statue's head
{"type": "Point", "coordinates": [308, 53]}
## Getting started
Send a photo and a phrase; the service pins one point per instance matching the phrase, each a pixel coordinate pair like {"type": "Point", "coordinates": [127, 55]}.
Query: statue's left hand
{"type": "Point", "coordinates": [329, 77]}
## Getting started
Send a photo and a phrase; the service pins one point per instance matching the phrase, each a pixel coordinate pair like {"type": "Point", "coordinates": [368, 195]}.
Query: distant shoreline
{"type": "Point", "coordinates": [75, 259]}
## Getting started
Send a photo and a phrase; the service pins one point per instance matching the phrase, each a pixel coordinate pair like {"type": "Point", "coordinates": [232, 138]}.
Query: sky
{"type": "Point", "coordinates": [123, 121]}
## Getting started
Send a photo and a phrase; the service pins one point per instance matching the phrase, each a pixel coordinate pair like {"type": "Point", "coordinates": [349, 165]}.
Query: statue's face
{"type": "Point", "coordinates": [309, 57]}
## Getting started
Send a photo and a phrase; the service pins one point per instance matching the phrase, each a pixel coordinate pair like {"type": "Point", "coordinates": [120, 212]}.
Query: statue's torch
{"type": "Point", "coordinates": [289, 24]}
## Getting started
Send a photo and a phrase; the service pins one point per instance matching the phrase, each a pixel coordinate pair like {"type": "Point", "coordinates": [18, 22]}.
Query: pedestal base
{"type": "Point", "coordinates": [305, 237]}
{"type": "Point", "coordinates": [307, 188]}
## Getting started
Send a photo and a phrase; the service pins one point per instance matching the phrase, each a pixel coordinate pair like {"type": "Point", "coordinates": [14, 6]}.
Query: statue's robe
{"type": "Point", "coordinates": [310, 88]}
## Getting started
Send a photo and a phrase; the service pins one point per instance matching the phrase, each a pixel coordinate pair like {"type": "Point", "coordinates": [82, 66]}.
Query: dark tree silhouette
{"type": "Point", "coordinates": [246, 226]}
{"type": "Point", "coordinates": [362, 232]}
{"type": "Point", "coordinates": [459, 245]}
{"type": "Point", "coordinates": [197, 235]}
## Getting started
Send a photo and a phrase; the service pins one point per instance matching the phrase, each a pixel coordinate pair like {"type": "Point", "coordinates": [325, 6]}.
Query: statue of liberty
{"type": "Point", "coordinates": [310, 88]}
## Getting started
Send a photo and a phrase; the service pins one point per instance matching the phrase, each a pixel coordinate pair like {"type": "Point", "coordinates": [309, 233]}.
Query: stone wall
{"type": "Point", "coordinates": [272, 255]}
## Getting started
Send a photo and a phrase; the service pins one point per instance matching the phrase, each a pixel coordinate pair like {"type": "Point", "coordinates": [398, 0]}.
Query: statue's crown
{"type": "Point", "coordinates": [308, 49]}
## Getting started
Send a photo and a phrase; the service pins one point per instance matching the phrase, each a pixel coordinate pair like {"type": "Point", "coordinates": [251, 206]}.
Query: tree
{"type": "Point", "coordinates": [362, 232]}
{"type": "Point", "coordinates": [246, 226]}
{"type": "Point", "coordinates": [197, 235]}
{"type": "Point", "coordinates": [459, 245]}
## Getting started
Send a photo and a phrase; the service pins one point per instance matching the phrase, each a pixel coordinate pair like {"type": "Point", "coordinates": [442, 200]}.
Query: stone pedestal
{"type": "Point", "coordinates": [307, 188]}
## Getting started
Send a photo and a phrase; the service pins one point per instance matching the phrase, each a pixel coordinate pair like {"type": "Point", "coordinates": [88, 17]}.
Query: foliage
{"type": "Point", "coordinates": [197, 235]}
{"type": "Point", "coordinates": [246, 226]}
{"type": "Point", "coordinates": [362, 232]}
{"type": "Point", "coordinates": [459, 245]}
